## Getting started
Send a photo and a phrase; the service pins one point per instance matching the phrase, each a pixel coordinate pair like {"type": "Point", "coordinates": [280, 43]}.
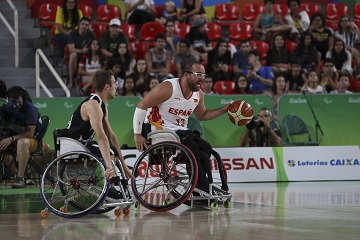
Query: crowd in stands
{"type": "Point", "coordinates": [289, 51]}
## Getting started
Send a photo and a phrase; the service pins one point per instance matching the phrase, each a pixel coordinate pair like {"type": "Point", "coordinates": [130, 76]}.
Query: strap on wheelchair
{"type": "Point", "coordinates": [146, 129]}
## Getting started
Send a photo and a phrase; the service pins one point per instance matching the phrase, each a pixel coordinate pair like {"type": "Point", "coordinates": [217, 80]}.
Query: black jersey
{"type": "Point", "coordinates": [78, 128]}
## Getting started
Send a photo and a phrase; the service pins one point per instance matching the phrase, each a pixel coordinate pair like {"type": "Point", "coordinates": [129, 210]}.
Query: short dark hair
{"type": "Point", "coordinates": [265, 109]}
{"type": "Point", "coordinates": [295, 61]}
{"type": "Point", "coordinates": [187, 42]}
{"type": "Point", "coordinates": [112, 62]}
{"type": "Point", "coordinates": [160, 36]}
{"type": "Point", "coordinates": [244, 41]}
{"type": "Point", "coordinates": [272, 1]}
{"type": "Point", "coordinates": [328, 60]}
{"type": "Point", "coordinates": [255, 53]}
{"type": "Point", "coordinates": [17, 91]}
{"type": "Point", "coordinates": [85, 19]}
{"type": "Point", "coordinates": [308, 73]}
{"type": "Point", "coordinates": [101, 78]}
{"type": "Point", "coordinates": [289, 1]}
{"type": "Point", "coordinates": [210, 75]}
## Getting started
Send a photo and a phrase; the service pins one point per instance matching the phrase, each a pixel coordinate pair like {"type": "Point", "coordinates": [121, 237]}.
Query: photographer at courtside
{"type": "Point", "coordinates": [21, 135]}
{"type": "Point", "coordinates": [260, 132]}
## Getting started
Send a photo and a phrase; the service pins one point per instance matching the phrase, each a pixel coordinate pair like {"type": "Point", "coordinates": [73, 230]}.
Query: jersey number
{"type": "Point", "coordinates": [180, 122]}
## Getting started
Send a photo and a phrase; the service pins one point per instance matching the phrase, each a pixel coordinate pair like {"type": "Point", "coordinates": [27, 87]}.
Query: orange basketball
{"type": "Point", "coordinates": [240, 112]}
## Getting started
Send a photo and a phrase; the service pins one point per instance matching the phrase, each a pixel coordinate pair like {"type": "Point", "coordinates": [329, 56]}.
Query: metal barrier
{"type": "Point", "coordinates": [14, 31]}
{"type": "Point", "coordinates": [39, 53]}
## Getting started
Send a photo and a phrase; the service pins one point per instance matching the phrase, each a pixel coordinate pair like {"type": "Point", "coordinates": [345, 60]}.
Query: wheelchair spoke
{"type": "Point", "coordinates": [80, 184]}
{"type": "Point", "coordinates": [153, 185]}
{"type": "Point", "coordinates": [165, 175]}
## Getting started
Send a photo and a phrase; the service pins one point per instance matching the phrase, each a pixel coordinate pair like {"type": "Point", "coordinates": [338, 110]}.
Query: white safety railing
{"type": "Point", "coordinates": [14, 31]}
{"type": "Point", "coordinates": [39, 53]}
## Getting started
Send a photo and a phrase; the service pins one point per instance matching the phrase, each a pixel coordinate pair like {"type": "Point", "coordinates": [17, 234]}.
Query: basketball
{"type": "Point", "coordinates": [240, 112]}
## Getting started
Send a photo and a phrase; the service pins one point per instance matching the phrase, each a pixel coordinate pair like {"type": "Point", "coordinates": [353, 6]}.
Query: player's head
{"type": "Point", "coordinates": [194, 72]}
{"type": "Point", "coordinates": [104, 79]}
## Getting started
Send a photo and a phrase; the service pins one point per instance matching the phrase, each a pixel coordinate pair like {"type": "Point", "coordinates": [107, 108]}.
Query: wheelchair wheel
{"type": "Point", "coordinates": [164, 176]}
{"type": "Point", "coordinates": [103, 209]}
{"type": "Point", "coordinates": [80, 185]}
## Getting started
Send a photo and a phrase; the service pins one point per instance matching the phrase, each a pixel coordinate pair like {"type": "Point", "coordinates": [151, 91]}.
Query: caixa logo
{"type": "Point", "coordinates": [344, 162]}
{"type": "Point", "coordinates": [243, 163]}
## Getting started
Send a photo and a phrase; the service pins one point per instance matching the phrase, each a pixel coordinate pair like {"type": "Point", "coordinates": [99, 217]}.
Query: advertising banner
{"type": "Point", "coordinates": [322, 163]}
{"type": "Point", "coordinates": [282, 164]}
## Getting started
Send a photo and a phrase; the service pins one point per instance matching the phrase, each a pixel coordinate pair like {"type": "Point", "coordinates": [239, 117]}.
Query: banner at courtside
{"type": "Point", "coordinates": [324, 163]}
{"type": "Point", "coordinates": [284, 163]}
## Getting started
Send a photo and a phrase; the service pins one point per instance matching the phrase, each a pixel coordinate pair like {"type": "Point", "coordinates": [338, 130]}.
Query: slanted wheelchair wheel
{"type": "Point", "coordinates": [80, 185]}
{"type": "Point", "coordinates": [164, 176]}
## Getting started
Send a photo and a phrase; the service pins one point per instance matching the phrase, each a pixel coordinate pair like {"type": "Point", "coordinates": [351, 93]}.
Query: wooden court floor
{"type": "Point", "coordinates": [301, 210]}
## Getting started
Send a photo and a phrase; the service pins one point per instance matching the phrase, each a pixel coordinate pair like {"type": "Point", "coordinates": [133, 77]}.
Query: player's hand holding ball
{"type": "Point", "coordinates": [240, 112]}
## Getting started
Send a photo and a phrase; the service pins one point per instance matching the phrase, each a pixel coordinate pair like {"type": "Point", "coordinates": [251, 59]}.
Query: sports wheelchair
{"type": "Point", "coordinates": [166, 174]}
{"type": "Point", "coordinates": [80, 187]}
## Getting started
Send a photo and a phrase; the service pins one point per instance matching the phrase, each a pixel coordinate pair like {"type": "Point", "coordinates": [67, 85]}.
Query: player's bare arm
{"type": "Point", "coordinates": [203, 114]}
{"type": "Point", "coordinates": [91, 110]}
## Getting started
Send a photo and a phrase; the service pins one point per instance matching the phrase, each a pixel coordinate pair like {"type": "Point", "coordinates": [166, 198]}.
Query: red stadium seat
{"type": "Point", "coordinates": [149, 30]}
{"type": "Point", "coordinates": [251, 10]}
{"type": "Point", "coordinates": [226, 13]}
{"type": "Point", "coordinates": [181, 29]}
{"type": "Point", "coordinates": [99, 28]}
{"type": "Point", "coordinates": [261, 46]}
{"type": "Point", "coordinates": [290, 45]}
{"type": "Point", "coordinates": [354, 85]}
{"type": "Point", "coordinates": [240, 31]}
{"type": "Point", "coordinates": [139, 49]}
{"type": "Point", "coordinates": [107, 12]}
{"type": "Point", "coordinates": [357, 10]}
{"type": "Point", "coordinates": [224, 86]}
{"type": "Point", "coordinates": [214, 31]}
{"type": "Point", "coordinates": [129, 31]}
{"type": "Point", "coordinates": [310, 8]}
{"type": "Point", "coordinates": [86, 11]}
{"type": "Point", "coordinates": [281, 8]}
{"type": "Point", "coordinates": [47, 14]}
{"type": "Point", "coordinates": [332, 24]}
{"type": "Point", "coordinates": [335, 10]}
